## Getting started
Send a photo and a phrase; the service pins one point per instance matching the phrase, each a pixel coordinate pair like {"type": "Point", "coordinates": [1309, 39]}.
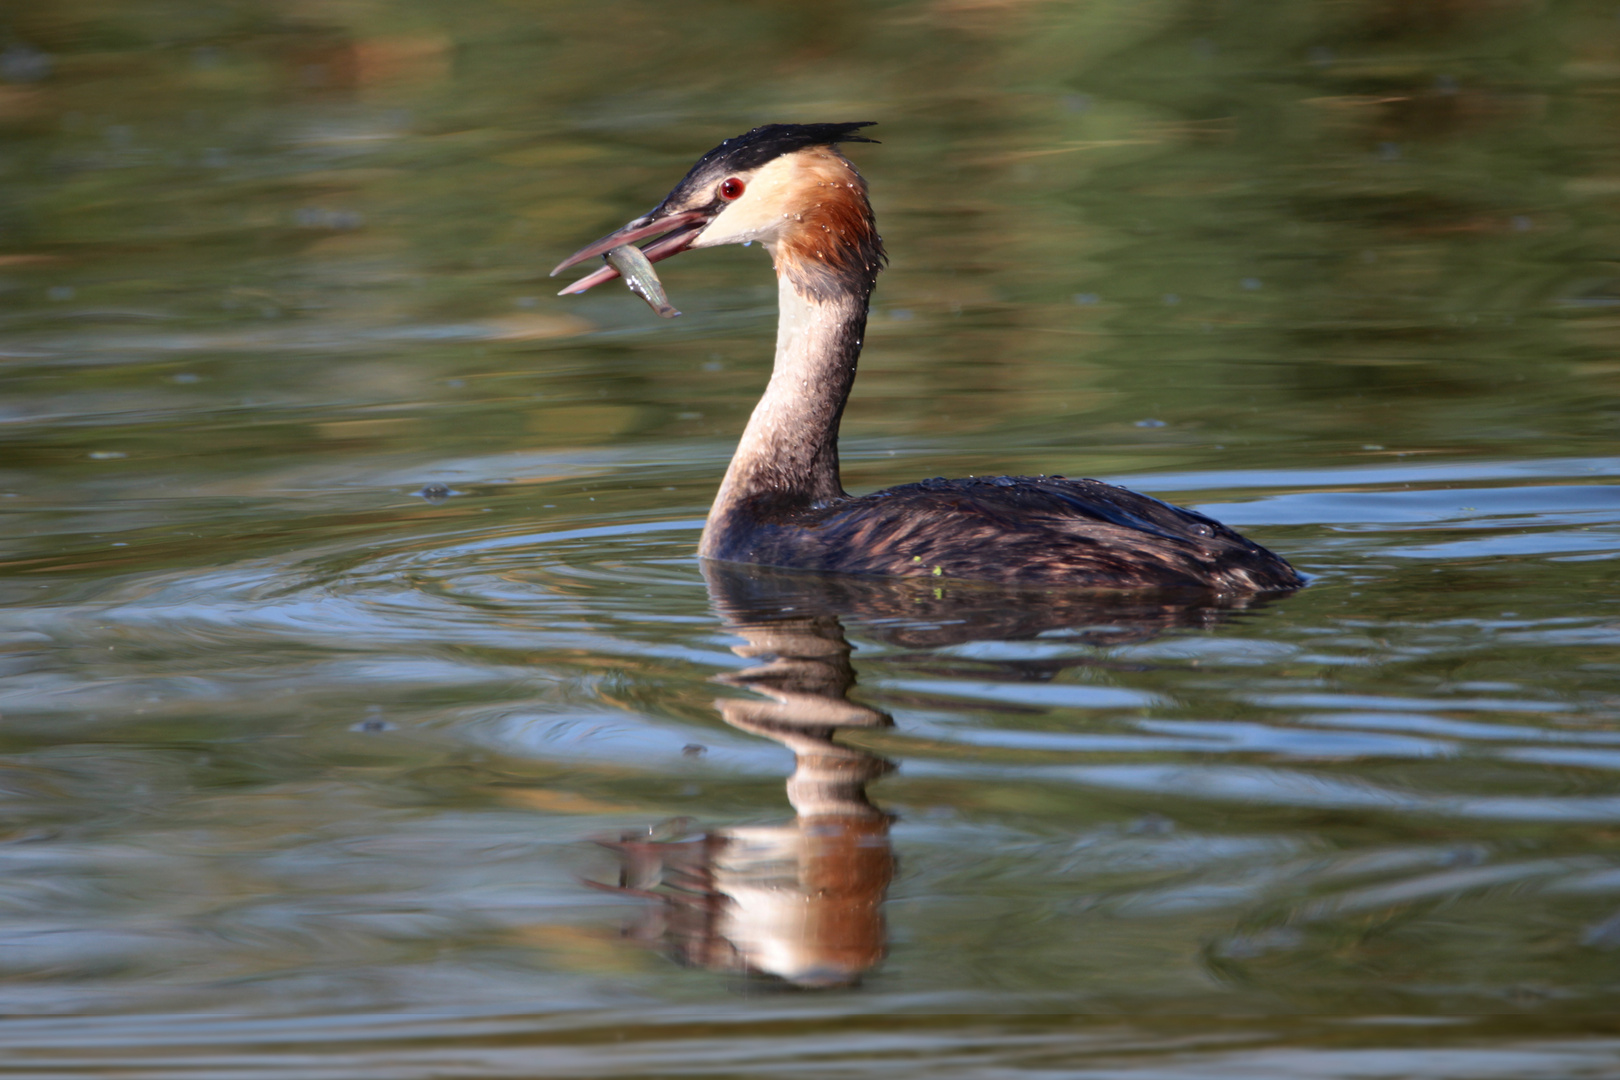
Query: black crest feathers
{"type": "Point", "coordinates": [771, 141]}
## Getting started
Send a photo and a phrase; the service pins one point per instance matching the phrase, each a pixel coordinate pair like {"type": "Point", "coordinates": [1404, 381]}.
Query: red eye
{"type": "Point", "coordinates": [732, 189]}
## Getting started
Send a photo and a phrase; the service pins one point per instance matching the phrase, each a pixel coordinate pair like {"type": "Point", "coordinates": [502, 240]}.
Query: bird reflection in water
{"type": "Point", "coordinates": [801, 903]}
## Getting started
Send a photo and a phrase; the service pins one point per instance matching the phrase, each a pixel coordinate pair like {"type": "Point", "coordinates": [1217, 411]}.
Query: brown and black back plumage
{"type": "Point", "coordinates": [1013, 530]}
{"type": "Point", "coordinates": [782, 502]}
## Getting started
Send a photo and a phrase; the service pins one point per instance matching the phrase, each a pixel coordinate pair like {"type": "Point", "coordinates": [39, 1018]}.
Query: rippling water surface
{"type": "Point", "coordinates": [308, 771]}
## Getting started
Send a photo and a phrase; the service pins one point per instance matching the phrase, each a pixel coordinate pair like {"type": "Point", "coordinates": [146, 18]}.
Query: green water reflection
{"type": "Point", "coordinates": [281, 736]}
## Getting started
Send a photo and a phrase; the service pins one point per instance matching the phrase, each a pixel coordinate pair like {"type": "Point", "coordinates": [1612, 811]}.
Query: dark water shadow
{"type": "Point", "coordinates": [800, 904]}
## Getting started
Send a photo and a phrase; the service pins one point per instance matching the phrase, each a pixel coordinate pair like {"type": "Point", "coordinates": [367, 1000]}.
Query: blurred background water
{"type": "Point", "coordinates": [307, 774]}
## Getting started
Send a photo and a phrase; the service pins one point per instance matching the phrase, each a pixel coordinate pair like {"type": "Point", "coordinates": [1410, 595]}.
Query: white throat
{"type": "Point", "coordinates": [788, 454]}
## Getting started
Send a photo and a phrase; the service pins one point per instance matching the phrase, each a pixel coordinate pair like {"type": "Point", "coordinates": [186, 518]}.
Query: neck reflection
{"type": "Point", "coordinates": [800, 902]}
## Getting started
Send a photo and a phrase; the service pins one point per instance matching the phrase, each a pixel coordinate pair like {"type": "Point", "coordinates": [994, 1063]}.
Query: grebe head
{"type": "Point", "coordinates": [783, 185]}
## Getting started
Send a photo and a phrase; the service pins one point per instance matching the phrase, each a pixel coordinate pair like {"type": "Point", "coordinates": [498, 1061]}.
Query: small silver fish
{"type": "Point", "coordinates": [641, 277]}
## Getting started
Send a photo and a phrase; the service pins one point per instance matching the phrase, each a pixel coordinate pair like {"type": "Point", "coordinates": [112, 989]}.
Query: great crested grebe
{"type": "Point", "coordinates": [781, 503]}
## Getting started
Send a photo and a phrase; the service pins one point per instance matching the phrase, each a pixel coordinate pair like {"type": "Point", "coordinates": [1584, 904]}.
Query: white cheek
{"type": "Point", "coordinates": [740, 223]}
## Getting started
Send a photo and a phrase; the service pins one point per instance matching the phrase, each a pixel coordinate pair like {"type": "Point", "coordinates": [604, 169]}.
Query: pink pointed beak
{"type": "Point", "coordinates": [681, 228]}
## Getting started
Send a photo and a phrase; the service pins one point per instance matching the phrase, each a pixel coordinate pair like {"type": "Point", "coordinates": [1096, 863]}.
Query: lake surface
{"type": "Point", "coordinates": [312, 769]}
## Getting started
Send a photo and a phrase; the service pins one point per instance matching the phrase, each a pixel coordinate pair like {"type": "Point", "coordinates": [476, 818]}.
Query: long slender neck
{"type": "Point", "coordinates": [788, 456]}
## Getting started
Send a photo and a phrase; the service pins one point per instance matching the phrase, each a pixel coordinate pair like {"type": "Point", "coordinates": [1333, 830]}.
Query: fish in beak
{"type": "Point", "coordinates": [675, 232]}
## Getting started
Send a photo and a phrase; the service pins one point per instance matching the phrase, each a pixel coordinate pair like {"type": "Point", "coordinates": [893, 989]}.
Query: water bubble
{"type": "Point", "coordinates": [1150, 422]}
{"type": "Point", "coordinates": [107, 455]}
{"type": "Point", "coordinates": [373, 721]}
{"type": "Point", "coordinates": [1445, 84]}
{"type": "Point", "coordinates": [1320, 55]}
{"type": "Point", "coordinates": [1388, 151]}
{"type": "Point", "coordinates": [1171, 299]}
{"type": "Point", "coordinates": [436, 493]}
{"type": "Point", "coordinates": [1250, 283]}
{"type": "Point", "coordinates": [1085, 298]}
{"type": "Point", "coordinates": [1521, 223]}
{"type": "Point", "coordinates": [61, 292]}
